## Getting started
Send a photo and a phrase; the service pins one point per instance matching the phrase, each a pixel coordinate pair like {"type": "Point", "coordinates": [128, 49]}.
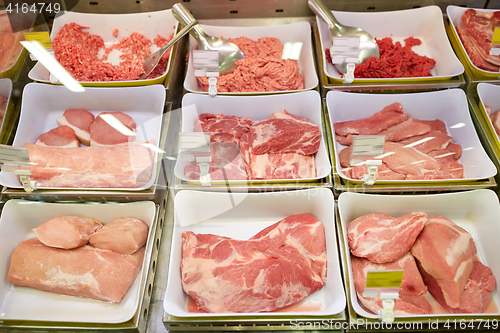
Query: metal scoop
{"type": "Point", "coordinates": [152, 60]}
{"type": "Point", "coordinates": [229, 53]}
{"type": "Point", "coordinates": [367, 45]}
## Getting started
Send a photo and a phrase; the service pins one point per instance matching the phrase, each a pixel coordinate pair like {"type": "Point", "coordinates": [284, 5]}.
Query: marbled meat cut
{"type": "Point", "coordinates": [126, 165]}
{"type": "Point", "coordinates": [279, 266]}
{"type": "Point", "coordinates": [479, 27]}
{"type": "Point", "coordinates": [223, 128]}
{"type": "Point", "coordinates": [411, 294]}
{"type": "Point", "coordinates": [476, 294]}
{"type": "Point", "coordinates": [282, 166]}
{"type": "Point", "coordinates": [84, 271]}
{"type": "Point", "coordinates": [447, 253]}
{"type": "Point", "coordinates": [103, 132]}
{"type": "Point", "coordinates": [285, 133]}
{"type": "Point", "coordinates": [67, 232]}
{"type": "Point", "coordinates": [389, 116]}
{"type": "Point", "coordinates": [382, 238]}
{"type": "Point", "coordinates": [79, 120]}
{"type": "Point", "coordinates": [123, 235]}
{"type": "Point", "coordinates": [63, 137]}
{"type": "Point", "coordinates": [472, 51]}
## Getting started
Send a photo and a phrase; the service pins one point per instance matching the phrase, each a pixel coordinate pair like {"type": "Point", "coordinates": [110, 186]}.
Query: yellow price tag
{"type": "Point", "coordinates": [384, 279]}
{"type": "Point", "coordinates": [42, 37]}
{"type": "Point", "coordinates": [496, 36]}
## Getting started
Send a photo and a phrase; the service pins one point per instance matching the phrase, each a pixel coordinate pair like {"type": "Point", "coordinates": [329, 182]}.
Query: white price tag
{"type": "Point", "coordinates": [368, 145]}
{"type": "Point", "coordinates": [14, 155]}
{"type": "Point", "coordinates": [345, 49]}
{"type": "Point", "coordinates": [206, 63]}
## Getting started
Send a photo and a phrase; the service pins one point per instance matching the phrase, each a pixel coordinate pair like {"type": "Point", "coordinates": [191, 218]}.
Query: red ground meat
{"type": "Point", "coordinates": [77, 50]}
{"type": "Point", "coordinates": [395, 61]}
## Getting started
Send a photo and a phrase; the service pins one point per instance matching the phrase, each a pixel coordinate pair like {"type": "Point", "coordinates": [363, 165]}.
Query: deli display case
{"type": "Point", "coordinates": [209, 175]}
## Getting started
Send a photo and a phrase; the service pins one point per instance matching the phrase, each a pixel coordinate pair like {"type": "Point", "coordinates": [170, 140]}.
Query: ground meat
{"type": "Point", "coordinates": [115, 33]}
{"type": "Point", "coordinates": [395, 61]}
{"type": "Point", "coordinates": [261, 70]}
{"type": "Point", "coordinates": [77, 50]}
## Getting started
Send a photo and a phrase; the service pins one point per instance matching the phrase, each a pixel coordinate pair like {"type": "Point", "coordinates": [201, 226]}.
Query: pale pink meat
{"type": "Point", "coordinates": [436, 124]}
{"type": "Point", "coordinates": [405, 130]}
{"type": "Point", "coordinates": [446, 252]}
{"type": "Point", "coordinates": [383, 172]}
{"type": "Point", "coordinates": [476, 294]}
{"type": "Point", "coordinates": [382, 238]}
{"type": "Point", "coordinates": [102, 133]}
{"type": "Point", "coordinates": [285, 133]}
{"type": "Point", "coordinates": [67, 232]}
{"type": "Point", "coordinates": [79, 120]}
{"type": "Point", "coordinates": [84, 271]}
{"type": "Point", "coordinates": [344, 140]}
{"type": "Point", "coordinates": [389, 116]}
{"type": "Point", "coordinates": [279, 266]}
{"type": "Point", "coordinates": [411, 295]}
{"type": "Point", "coordinates": [126, 165]}
{"type": "Point", "coordinates": [409, 160]}
{"type": "Point", "coordinates": [262, 69]}
{"type": "Point", "coordinates": [63, 137]}
{"type": "Point", "coordinates": [488, 110]}
{"type": "Point", "coordinates": [282, 166]}
{"type": "Point", "coordinates": [123, 235]}
{"type": "Point", "coordinates": [426, 143]}
{"type": "Point", "coordinates": [495, 120]}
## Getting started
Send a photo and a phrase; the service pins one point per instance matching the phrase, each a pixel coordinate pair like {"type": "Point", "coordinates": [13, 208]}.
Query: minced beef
{"type": "Point", "coordinates": [395, 61]}
{"type": "Point", "coordinates": [77, 50]}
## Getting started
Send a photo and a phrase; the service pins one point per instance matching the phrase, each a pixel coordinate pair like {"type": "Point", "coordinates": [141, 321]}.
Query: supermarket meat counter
{"type": "Point", "coordinates": [315, 279]}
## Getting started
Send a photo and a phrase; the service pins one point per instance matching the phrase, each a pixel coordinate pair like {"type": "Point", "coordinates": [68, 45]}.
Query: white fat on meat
{"type": "Point", "coordinates": [62, 137]}
{"type": "Point", "coordinates": [79, 120]}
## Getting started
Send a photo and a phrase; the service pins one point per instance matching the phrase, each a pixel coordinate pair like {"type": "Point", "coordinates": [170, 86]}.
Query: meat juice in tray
{"type": "Point", "coordinates": [235, 216]}
{"type": "Point", "coordinates": [425, 24]}
{"type": "Point", "coordinates": [18, 220]}
{"type": "Point", "coordinates": [475, 211]}
{"type": "Point", "coordinates": [449, 106]}
{"type": "Point", "coordinates": [43, 104]}
{"type": "Point", "coordinates": [293, 33]}
{"type": "Point", "coordinates": [302, 104]}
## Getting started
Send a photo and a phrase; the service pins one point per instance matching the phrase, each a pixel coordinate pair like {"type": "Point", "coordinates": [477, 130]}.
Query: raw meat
{"type": "Point", "coordinates": [279, 266]}
{"type": "Point", "coordinates": [395, 61]}
{"type": "Point", "coordinates": [282, 166]}
{"type": "Point", "coordinates": [476, 294]}
{"type": "Point", "coordinates": [62, 137]}
{"type": "Point", "coordinates": [479, 27]}
{"type": "Point", "coordinates": [344, 140]}
{"type": "Point", "coordinates": [104, 133]}
{"type": "Point", "coordinates": [495, 120]}
{"type": "Point", "coordinates": [79, 120]}
{"type": "Point", "coordinates": [405, 130]}
{"type": "Point", "coordinates": [67, 232]}
{"type": "Point", "coordinates": [285, 133]}
{"type": "Point", "coordinates": [488, 110]}
{"type": "Point", "coordinates": [436, 124]}
{"type": "Point", "coordinates": [411, 294]}
{"type": "Point", "coordinates": [123, 235]}
{"type": "Point", "coordinates": [10, 46]}
{"type": "Point", "coordinates": [446, 252]}
{"type": "Point", "coordinates": [389, 116]}
{"type": "Point", "coordinates": [84, 271]}
{"type": "Point", "coordinates": [77, 51]}
{"type": "Point", "coordinates": [382, 238]}
{"type": "Point", "coordinates": [262, 69]}
{"type": "Point", "coordinates": [426, 143]}
{"type": "Point", "coordinates": [223, 128]}
{"type": "Point", "coordinates": [408, 160]}
{"type": "Point", "coordinates": [126, 165]}
{"type": "Point", "coordinates": [383, 172]}
{"type": "Point", "coordinates": [472, 51]}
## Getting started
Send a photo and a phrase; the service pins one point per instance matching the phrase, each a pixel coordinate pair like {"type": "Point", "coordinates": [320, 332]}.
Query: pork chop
{"type": "Point", "coordinates": [104, 133]}
{"type": "Point", "coordinates": [408, 160]}
{"type": "Point", "coordinates": [79, 120]}
{"type": "Point", "coordinates": [62, 137]}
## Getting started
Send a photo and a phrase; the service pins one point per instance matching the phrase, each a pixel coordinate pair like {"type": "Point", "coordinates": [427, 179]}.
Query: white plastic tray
{"type": "Point", "coordinates": [478, 212]}
{"type": "Point", "coordinates": [42, 104]}
{"type": "Point", "coordinates": [305, 104]}
{"type": "Point", "coordinates": [489, 94]}
{"type": "Point", "coordinates": [149, 24]}
{"type": "Point", "coordinates": [448, 105]}
{"type": "Point", "coordinates": [293, 32]}
{"type": "Point", "coordinates": [240, 216]}
{"type": "Point", "coordinates": [424, 23]}
{"type": "Point", "coordinates": [18, 219]}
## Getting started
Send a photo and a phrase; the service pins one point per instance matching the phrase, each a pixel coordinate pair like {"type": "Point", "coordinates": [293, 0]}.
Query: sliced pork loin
{"type": "Point", "coordinates": [84, 271]}
{"type": "Point", "coordinates": [411, 294]}
{"type": "Point", "coordinates": [123, 235]}
{"type": "Point", "coordinates": [103, 133]}
{"type": "Point", "coordinates": [382, 238]}
{"type": "Point", "coordinates": [447, 253]}
{"type": "Point", "coordinates": [67, 232]}
{"type": "Point", "coordinates": [79, 120]}
{"type": "Point", "coordinates": [62, 137]}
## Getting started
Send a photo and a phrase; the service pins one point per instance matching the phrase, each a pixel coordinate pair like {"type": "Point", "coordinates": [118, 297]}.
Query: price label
{"type": "Point", "coordinates": [345, 49]}
{"type": "Point", "coordinates": [368, 145]}
{"type": "Point", "coordinates": [206, 63]}
{"type": "Point", "coordinates": [42, 37]}
{"type": "Point", "coordinates": [384, 279]}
